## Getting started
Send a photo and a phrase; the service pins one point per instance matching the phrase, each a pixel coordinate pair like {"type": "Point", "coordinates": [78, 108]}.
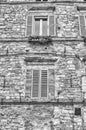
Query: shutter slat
{"type": "Point", "coordinates": [82, 26]}
{"type": "Point", "coordinates": [44, 83]}
{"type": "Point", "coordinates": [51, 25]}
{"type": "Point", "coordinates": [35, 90]}
{"type": "Point", "coordinates": [29, 26]}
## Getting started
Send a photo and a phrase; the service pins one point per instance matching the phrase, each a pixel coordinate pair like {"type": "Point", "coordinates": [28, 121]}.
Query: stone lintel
{"type": "Point", "coordinates": [80, 8]}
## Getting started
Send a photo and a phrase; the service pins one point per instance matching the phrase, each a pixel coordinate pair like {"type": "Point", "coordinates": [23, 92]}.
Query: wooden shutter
{"type": "Point", "coordinates": [43, 83]}
{"type": "Point", "coordinates": [35, 89]}
{"type": "Point", "coordinates": [28, 83]}
{"type": "Point", "coordinates": [84, 83]}
{"type": "Point", "coordinates": [51, 25]}
{"type": "Point", "coordinates": [29, 25]}
{"type": "Point", "coordinates": [82, 26]}
{"type": "Point", "coordinates": [51, 82]}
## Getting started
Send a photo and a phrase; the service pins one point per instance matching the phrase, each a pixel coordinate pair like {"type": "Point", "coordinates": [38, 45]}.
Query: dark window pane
{"type": "Point", "coordinates": [44, 27]}
{"type": "Point", "coordinates": [78, 111]}
{"type": "Point", "coordinates": [37, 26]}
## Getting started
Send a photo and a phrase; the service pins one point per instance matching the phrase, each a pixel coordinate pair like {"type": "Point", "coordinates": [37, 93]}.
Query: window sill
{"type": "Point", "coordinates": [40, 39]}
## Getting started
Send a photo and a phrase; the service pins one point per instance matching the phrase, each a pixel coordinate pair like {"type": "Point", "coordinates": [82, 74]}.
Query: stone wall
{"type": "Point", "coordinates": [39, 117]}
{"type": "Point", "coordinates": [67, 48]}
{"type": "Point", "coordinates": [68, 68]}
{"type": "Point", "coordinates": [13, 19]}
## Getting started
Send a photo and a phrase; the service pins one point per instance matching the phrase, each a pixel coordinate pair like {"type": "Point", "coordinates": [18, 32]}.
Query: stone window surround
{"type": "Point", "coordinates": [41, 14]}
{"type": "Point", "coordinates": [41, 67]}
{"type": "Point", "coordinates": [41, 11]}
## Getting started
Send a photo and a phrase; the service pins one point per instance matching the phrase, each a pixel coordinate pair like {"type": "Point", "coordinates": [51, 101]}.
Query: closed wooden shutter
{"type": "Point", "coordinates": [28, 83]}
{"type": "Point", "coordinates": [51, 25]}
{"type": "Point", "coordinates": [82, 26]}
{"type": "Point", "coordinates": [35, 88]}
{"type": "Point", "coordinates": [51, 82]}
{"type": "Point", "coordinates": [43, 83]}
{"type": "Point", "coordinates": [84, 84]}
{"type": "Point", "coordinates": [29, 25]}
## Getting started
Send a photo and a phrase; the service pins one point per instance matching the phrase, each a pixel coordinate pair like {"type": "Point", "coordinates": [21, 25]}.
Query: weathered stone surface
{"type": "Point", "coordinates": [67, 86]}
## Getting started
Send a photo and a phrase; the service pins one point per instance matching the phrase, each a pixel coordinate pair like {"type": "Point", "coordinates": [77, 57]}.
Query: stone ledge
{"type": "Point", "coordinates": [29, 2]}
{"type": "Point", "coordinates": [54, 38]}
{"type": "Point", "coordinates": [41, 103]}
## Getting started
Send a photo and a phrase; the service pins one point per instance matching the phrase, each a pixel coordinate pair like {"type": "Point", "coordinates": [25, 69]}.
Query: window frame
{"type": "Point", "coordinates": [41, 25]}
{"type": "Point", "coordinates": [39, 91]}
{"type": "Point", "coordinates": [41, 14]}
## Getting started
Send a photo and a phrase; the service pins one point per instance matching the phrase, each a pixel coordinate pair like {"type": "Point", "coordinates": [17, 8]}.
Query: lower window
{"type": "Point", "coordinates": [40, 83]}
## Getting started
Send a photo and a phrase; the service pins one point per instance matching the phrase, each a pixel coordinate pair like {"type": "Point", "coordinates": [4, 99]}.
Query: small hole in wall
{"type": "Point", "coordinates": [45, 48]}
{"type": "Point", "coordinates": [58, 28]}
{"type": "Point", "coordinates": [27, 50]}
{"type": "Point", "coordinates": [78, 111]}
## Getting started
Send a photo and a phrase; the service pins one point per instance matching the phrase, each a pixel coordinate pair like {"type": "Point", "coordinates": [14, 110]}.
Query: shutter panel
{"type": "Point", "coordinates": [51, 25]}
{"type": "Point", "coordinates": [43, 83]}
{"type": "Point", "coordinates": [29, 26]}
{"type": "Point", "coordinates": [84, 83]}
{"type": "Point", "coordinates": [28, 83]}
{"type": "Point", "coordinates": [82, 26]}
{"type": "Point", "coordinates": [35, 91]}
{"type": "Point", "coordinates": [56, 27]}
{"type": "Point", "coordinates": [51, 82]}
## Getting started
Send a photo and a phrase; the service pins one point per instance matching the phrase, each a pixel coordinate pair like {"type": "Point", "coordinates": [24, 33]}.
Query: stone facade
{"type": "Point", "coordinates": [65, 106]}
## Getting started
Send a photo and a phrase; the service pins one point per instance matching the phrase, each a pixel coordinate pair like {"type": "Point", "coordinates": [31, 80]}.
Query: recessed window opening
{"type": "Point", "coordinates": [41, 28]}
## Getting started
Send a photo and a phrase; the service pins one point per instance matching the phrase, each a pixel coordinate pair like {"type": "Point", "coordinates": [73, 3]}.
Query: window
{"type": "Point", "coordinates": [41, 28]}
{"type": "Point", "coordinates": [40, 25]}
{"type": "Point", "coordinates": [78, 111]}
{"type": "Point", "coordinates": [40, 82]}
{"type": "Point", "coordinates": [39, 88]}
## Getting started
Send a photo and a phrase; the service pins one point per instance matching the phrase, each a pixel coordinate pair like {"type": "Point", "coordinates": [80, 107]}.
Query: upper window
{"type": "Point", "coordinates": [41, 26]}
